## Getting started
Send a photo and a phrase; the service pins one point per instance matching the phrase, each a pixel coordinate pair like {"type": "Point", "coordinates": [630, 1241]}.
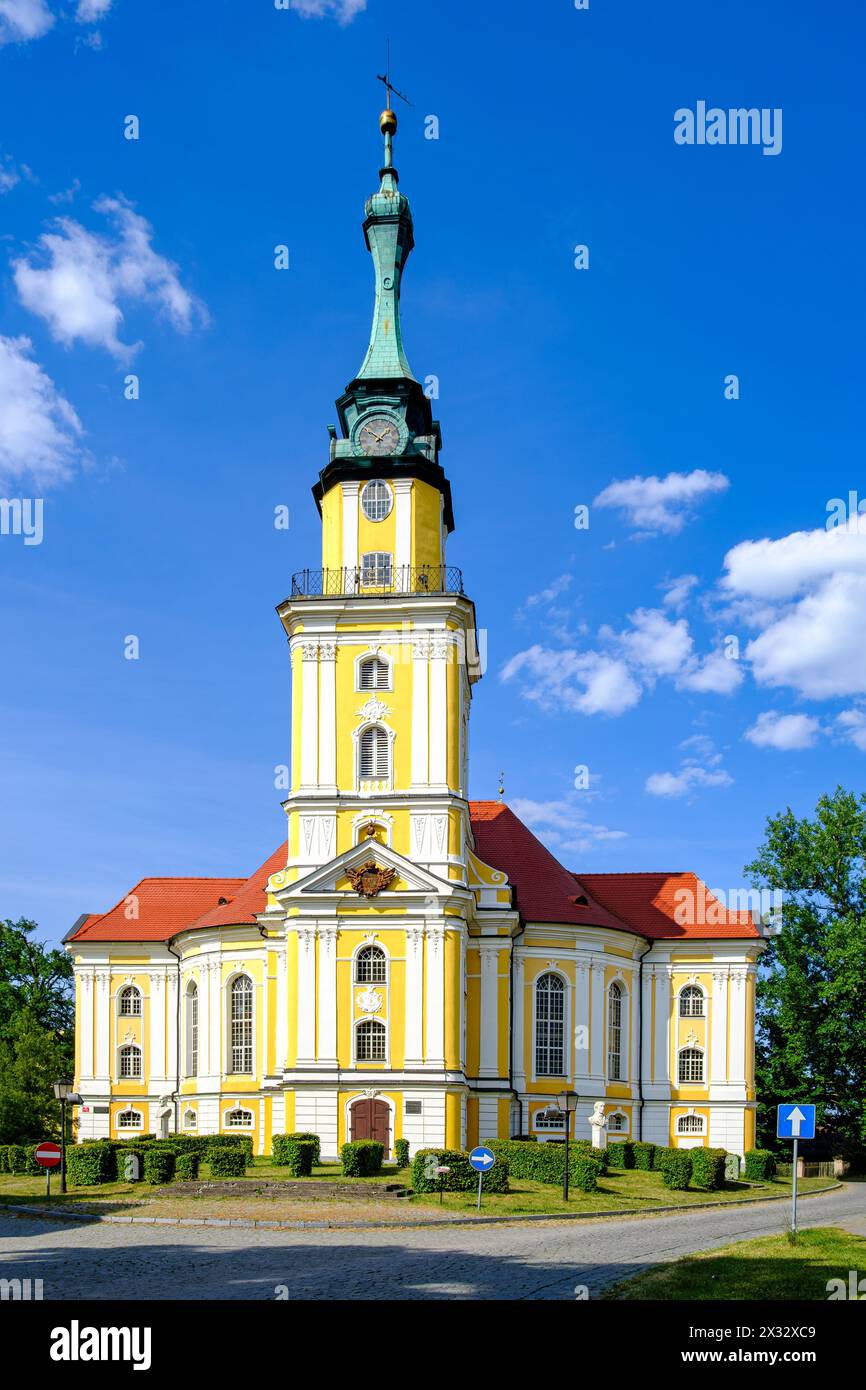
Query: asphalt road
{"type": "Point", "coordinates": [539, 1260]}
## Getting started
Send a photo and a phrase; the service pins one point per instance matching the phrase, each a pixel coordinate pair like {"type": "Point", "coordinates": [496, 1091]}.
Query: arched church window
{"type": "Point", "coordinates": [374, 752]}
{"type": "Point", "coordinates": [373, 673]}
{"type": "Point", "coordinates": [130, 1063]}
{"type": "Point", "coordinates": [550, 1026]}
{"type": "Point", "coordinates": [239, 1119]}
{"type": "Point", "coordinates": [130, 1002]}
{"type": "Point", "coordinates": [370, 1041]}
{"type": "Point", "coordinates": [692, 1002]}
{"type": "Point", "coordinates": [242, 1024]}
{"type": "Point", "coordinates": [371, 966]}
{"type": "Point", "coordinates": [691, 1065]}
{"type": "Point", "coordinates": [192, 1029]}
{"type": "Point", "coordinates": [614, 1032]}
{"type": "Point", "coordinates": [690, 1124]}
{"type": "Point", "coordinates": [376, 500]}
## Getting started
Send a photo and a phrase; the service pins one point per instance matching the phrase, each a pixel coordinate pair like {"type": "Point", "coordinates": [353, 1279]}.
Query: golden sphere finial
{"type": "Point", "coordinates": [388, 122]}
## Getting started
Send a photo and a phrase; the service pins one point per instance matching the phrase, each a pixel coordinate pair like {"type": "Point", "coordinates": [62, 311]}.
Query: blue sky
{"type": "Point", "coordinates": [558, 387]}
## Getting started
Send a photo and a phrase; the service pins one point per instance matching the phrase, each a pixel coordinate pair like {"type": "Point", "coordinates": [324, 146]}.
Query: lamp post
{"type": "Point", "coordinates": [65, 1094]}
{"type": "Point", "coordinates": [567, 1105]}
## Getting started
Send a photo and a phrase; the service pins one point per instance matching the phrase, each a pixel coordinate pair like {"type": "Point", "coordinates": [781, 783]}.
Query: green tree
{"type": "Point", "coordinates": [36, 977]}
{"type": "Point", "coordinates": [812, 990]}
{"type": "Point", "coordinates": [31, 1060]}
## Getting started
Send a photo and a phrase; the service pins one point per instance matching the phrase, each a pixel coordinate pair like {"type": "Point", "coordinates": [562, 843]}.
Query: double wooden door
{"type": "Point", "coordinates": [371, 1119]}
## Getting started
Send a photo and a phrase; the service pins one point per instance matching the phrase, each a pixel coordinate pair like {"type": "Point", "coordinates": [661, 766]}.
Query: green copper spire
{"type": "Point", "coordinates": [389, 237]}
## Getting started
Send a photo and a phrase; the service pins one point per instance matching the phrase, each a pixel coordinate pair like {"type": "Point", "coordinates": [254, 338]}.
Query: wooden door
{"type": "Point", "coordinates": [371, 1120]}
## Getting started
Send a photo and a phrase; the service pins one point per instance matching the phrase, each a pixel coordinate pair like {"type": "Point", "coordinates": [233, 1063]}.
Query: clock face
{"type": "Point", "coordinates": [378, 436]}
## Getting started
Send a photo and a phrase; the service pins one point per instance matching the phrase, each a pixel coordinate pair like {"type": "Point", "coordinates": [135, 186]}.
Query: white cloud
{"type": "Point", "coordinates": [343, 11]}
{"type": "Point", "coordinates": [677, 590]}
{"type": "Point", "coordinates": [22, 20]}
{"type": "Point", "coordinates": [586, 682]}
{"type": "Point", "coordinates": [9, 175]}
{"type": "Point", "coordinates": [783, 731]}
{"type": "Point", "coordinates": [716, 674]}
{"type": "Point", "coordinates": [39, 430]}
{"type": "Point", "coordinates": [90, 11]}
{"type": "Point", "coordinates": [690, 776]}
{"type": "Point", "coordinates": [654, 643]}
{"type": "Point", "coordinates": [785, 568]}
{"type": "Point", "coordinates": [852, 723]}
{"type": "Point", "coordinates": [652, 505]}
{"type": "Point", "coordinates": [553, 590]}
{"type": "Point", "coordinates": [79, 292]}
{"type": "Point", "coordinates": [561, 824]}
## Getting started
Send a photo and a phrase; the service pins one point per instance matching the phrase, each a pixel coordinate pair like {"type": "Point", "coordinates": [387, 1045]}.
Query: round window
{"type": "Point", "coordinates": [376, 501]}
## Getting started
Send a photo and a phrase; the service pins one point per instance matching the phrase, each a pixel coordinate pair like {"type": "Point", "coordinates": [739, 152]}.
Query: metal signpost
{"type": "Point", "coordinates": [795, 1121]}
{"type": "Point", "coordinates": [482, 1160]}
{"type": "Point", "coordinates": [47, 1155]}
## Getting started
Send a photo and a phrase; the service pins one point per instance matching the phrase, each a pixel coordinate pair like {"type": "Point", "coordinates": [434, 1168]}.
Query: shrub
{"type": "Point", "coordinates": [401, 1153]}
{"type": "Point", "coordinates": [90, 1163]}
{"type": "Point", "coordinates": [546, 1162]}
{"type": "Point", "coordinates": [620, 1154]}
{"type": "Point", "coordinates": [583, 1172]}
{"type": "Point", "coordinates": [362, 1157]}
{"type": "Point", "coordinates": [227, 1161]}
{"type": "Point", "coordinates": [708, 1168]}
{"type": "Point", "coordinates": [643, 1155]}
{"type": "Point", "coordinates": [295, 1154]}
{"type": "Point", "coordinates": [585, 1149]}
{"type": "Point", "coordinates": [677, 1169]}
{"type": "Point", "coordinates": [760, 1165]}
{"type": "Point", "coordinates": [159, 1165]}
{"type": "Point", "coordinates": [18, 1158]}
{"type": "Point", "coordinates": [660, 1154]}
{"type": "Point", "coordinates": [462, 1177]}
{"type": "Point", "coordinates": [309, 1139]}
{"type": "Point", "coordinates": [186, 1167]}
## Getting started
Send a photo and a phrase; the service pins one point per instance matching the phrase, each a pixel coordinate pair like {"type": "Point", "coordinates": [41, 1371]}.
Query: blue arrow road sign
{"type": "Point", "coordinates": [482, 1159]}
{"type": "Point", "coordinates": [795, 1121]}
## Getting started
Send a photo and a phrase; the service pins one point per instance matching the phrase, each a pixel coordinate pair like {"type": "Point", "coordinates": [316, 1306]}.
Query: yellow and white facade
{"type": "Point", "coordinates": [408, 964]}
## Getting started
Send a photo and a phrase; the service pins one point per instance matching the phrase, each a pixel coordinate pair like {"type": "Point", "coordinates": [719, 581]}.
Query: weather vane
{"type": "Point", "coordinates": [386, 77]}
{"type": "Point", "coordinates": [501, 785]}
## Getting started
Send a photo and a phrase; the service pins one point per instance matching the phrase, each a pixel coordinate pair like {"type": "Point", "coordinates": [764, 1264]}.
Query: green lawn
{"type": "Point", "coordinates": [769, 1268]}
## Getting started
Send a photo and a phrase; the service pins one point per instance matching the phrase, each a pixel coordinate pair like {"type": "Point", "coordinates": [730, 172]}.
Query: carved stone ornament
{"type": "Point", "coordinates": [369, 1001]}
{"type": "Point", "coordinates": [369, 880]}
{"type": "Point", "coordinates": [373, 709]}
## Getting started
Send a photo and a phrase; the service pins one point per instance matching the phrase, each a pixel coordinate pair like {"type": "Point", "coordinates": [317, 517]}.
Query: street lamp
{"type": "Point", "coordinates": [65, 1094]}
{"type": "Point", "coordinates": [567, 1106]}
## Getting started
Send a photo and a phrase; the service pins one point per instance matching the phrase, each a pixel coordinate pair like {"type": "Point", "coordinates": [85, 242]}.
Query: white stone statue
{"type": "Point", "coordinates": [598, 1125]}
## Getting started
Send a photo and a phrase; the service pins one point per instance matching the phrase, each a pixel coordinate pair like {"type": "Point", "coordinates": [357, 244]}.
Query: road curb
{"type": "Point", "coordinates": [249, 1225]}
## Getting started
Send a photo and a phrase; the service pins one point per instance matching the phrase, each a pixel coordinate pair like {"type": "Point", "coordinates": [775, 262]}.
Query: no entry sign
{"type": "Point", "coordinates": [47, 1154]}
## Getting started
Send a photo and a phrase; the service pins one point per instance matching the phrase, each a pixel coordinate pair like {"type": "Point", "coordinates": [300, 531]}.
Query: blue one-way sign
{"type": "Point", "coordinates": [482, 1159]}
{"type": "Point", "coordinates": [795, 1121]}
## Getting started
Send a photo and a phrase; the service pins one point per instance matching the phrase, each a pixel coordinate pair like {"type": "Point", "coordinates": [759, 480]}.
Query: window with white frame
{"type": "Point", "coordinates": [690, 1124]}
{"type": "Point", "coordinates": [130, 1002]}
{"type": "Point", "coordinates": [370, 1041]}
{"type": "Point", "coordinates": [192, 1029]}
{"type": "Point", "coordinates": [130, 1062]}
{"type": "Point", "coordinates": [373, 674]}
{"type": "Point", "coordinates": [692, 1002]}
{"type": "Point", "coordinates": [190, 1119]}
{"type": "Point", "coordinates": [691, 1065]}
{"type": "Point", "coordinates": [374, 753]}
{"type": "Point", "coordinates": [550, 1026]}
{"type": "Point", "coordinates": [241, 1024]}
{"type": "Point", "coordinates": [617, 1122]}
{"type": "Point", "coordinates": [129, 1119]}
{"type": "Point", "coordinates": [377, 569]}
{"type": "Point", "coordinates": [238, 1119]}
{"type": "Point", "coordinates": [376, 500]}
{"type": "Point", "coordinates": [614, 1032]}
{"type": "Point", "coordinates": [371, 966]}
{"type": "Point", "coordinates": [549, 1120]}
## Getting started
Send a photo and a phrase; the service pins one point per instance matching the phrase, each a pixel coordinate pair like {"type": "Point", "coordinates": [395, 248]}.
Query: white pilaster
{"type": "Point", "coordinates": [414, 997]}
{"type": "Point", "coordinates": [403, 523]}
{"type": "Point", "coordinates": [328, 715]}
{"type": "Point", "coordinates": [327, 1001]}
{"type": "Point", "coordinates": [647, 1022]}
{"type": "Point", "coordinates": [306, 995]}
{"type": "Point", "coordinates": [598, 1036]}
{"type": "Point", "coordinates": [282, 1008]}
{"type": "Point", "coordinates": [171, 1015]}
{"type": "Point", "coordinates": [737, 1060]}
{"type": "Point", "coordinates": [661, 1046]}
{"type": "Point", "coordinates": [350, 524]}
{"type": "Point", "coordinates": [580, 1023]}
{"type": "Point", "coordinates": [421, 648]}
{"type": "Point", "coordinates": [156, 1024]}
{"type": "Point", "coordinates": [104, 1068]}
{"type": "Point", "coordinates": [439, 713]}
{"type": "Point", "coordinates": [309, 714]}
{"type": "Point", "coordinates": [518, 1015]}
{"type": "Point", "coordinates": [217, 1063]}
{"type": "Point", "coordinates": [489, 1053]}
{"type": "Point", "coordinates": [718, 1026]}
{"type": "Point", "coordinates": [85, 986]}
{"type": "Point", "coordinates": [435, 996]}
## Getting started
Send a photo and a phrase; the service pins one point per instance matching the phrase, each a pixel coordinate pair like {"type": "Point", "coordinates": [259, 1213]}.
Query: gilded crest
{"type": "Point", "coordinates": [369, 879]}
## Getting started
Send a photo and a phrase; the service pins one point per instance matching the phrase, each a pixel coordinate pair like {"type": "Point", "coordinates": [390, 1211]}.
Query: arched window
{"type": "Point", "coordinates": [690, 1124]}
{"type": "Point", "coordinates": [691, 1002]}
{"type": "Point", "coordinates": [129, 1119]}
{"type": "Point", "coordinates": [550, 1119]}
{"type": "Point", "coordinates": [130, 1063]}
{"type": "Point", "coordinates": [614, 1032]}
{"type": "Point", "coordinates": [192, 1029]}
{"type": "Point", "coordinates": [617, 1122]}
{"type": "Point", "coordinates": [550, 1026]}
{"type": "Point", "coordinates": [239, 1119]}
{"type": "Point", "coordinates": [241, 1024]}
{"type": "Point", "coordinates": [190, 1119]}
{"type": "Point", "coordinates": [374, 753]}
{"type": "Point", "coordinates": [130, 1002]}
{"type": "Point", "coordinates": [370, 1041]}
{"type": "Point", "coordinates": [371, 966]}
{"type": "Point", "coordinates": [373, 674]}
{"type": "Point", "coordinates": [376, 500]}
{"type": "Point", "coordinates": [691, 1065]}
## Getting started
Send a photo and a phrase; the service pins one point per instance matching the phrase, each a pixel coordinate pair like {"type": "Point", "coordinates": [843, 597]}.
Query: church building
{"type": "Point", "coordinates": [407, 963]}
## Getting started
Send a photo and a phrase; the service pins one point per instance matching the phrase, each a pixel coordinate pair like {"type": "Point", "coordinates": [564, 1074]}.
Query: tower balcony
{"type": "Point", "coordinates": [381, 580]}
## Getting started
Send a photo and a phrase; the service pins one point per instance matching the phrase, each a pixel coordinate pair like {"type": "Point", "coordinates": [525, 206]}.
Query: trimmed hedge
{"type": "Point", "coordinates": [90, 1163]}
{"type": "Point", "coordinates": [677, 1169]}
{"type": "Point", "coordinates": [401, 1153]}
{"type": "Point", "coordinates": [546, 1162]}
{"type": "Point", "coordinates": [295, 1154]}
{"type": "Point", "coordinates": [760, 1165]}
{"type": "Point", "coordinates": [18, 1158]}
{"type": "Point", "coordinates": [643, 1155]}
{"type": "Point", "coordinates": [461, 1178]}
{"type": "Point", "coordinates": [186, 1167]}
{"type": "Point", "coordinates": [361, 1158]}
{"type": "Point", "coordinates": [620, 1153]}
{"type": "Point", "coordinates": [158, 1165]}
{"type": "Point", "coordinates": [708, 1168]}
{"type": "Point", "coordinates": [661, 1153]}
{"type": "Point", "coordinates": [227, 1161]}
{"type": "Point", "coordinates": [305, 1138]}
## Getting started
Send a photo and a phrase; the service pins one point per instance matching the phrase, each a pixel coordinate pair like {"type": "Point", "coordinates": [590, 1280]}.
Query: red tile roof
{"type": "Point", "coordinates": [545, 891]}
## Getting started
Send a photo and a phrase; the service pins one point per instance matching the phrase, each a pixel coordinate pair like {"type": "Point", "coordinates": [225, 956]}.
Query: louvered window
{"type": "Point", "coordinates": [374, 674]}
{"type": "Point", "coordinates": [374, 753]}
{"type": "Point", "coordinates": [242, 1024]}
{"type": "Point", "coordinates": [550, 1026]}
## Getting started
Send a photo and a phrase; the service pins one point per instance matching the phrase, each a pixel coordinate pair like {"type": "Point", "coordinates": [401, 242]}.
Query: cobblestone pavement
{"type": "Point", "coordinates": [533, 1261]}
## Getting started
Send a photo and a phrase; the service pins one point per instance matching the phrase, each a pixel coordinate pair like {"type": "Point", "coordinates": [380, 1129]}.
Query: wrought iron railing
{"type": "Point", "coordinates": [376, 582]}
